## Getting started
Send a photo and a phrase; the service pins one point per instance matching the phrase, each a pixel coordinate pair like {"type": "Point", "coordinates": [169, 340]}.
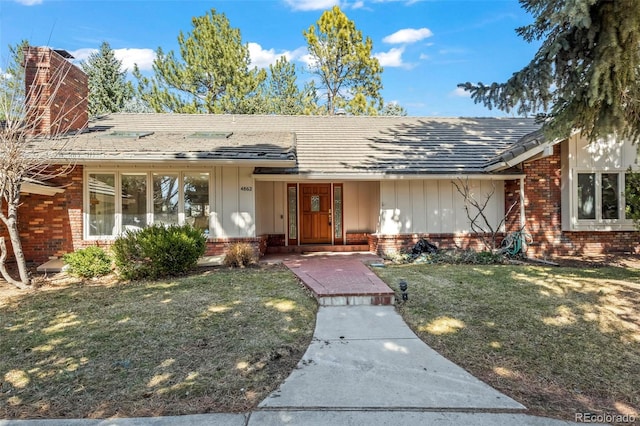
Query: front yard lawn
{"type": "Point", "coordinates": [218, 341]}
{"type": "Point", "coordinates": [559, 340]}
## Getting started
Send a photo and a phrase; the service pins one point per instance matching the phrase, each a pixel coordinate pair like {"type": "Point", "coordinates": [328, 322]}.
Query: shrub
{"type": "Point", "coordinates": [239, 255]}
{"type": "Point", "coordinates": [88, 262]}
{"type": "Point", "coordinates": [158, 251]}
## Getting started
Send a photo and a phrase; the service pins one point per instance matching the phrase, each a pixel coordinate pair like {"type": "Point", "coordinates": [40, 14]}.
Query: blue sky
{"type": "Point", "coordinates": [426, 47]}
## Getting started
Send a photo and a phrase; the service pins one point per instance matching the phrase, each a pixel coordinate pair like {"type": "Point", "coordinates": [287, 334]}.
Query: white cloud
{"type": "Point", "coordinates": [408, 35]}
{"type": "Point", "coordinates": [424, 57]}
{"type": "Point", "coordinates": [460, 92]}
{"type": "Point", "coordinates": [312, 4]}
{"type": "Point", "coordinates": [262, 58]}
{"type": "Point", "coordinates": [392, 58]}
{"type": "Point", "coordinates": [129, 56]}
{"type": "Point", "coordinates": [143, 57]}
{"type": "Point", "coordinates": [29, 2]}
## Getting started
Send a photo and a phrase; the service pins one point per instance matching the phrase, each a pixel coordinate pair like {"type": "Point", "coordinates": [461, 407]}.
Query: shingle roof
{"type": "Point", "coordinates": [329, 145]}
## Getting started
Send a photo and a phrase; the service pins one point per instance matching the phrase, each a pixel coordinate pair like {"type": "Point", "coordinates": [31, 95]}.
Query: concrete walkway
{"type": "Point", "coordinates": [364, 367]}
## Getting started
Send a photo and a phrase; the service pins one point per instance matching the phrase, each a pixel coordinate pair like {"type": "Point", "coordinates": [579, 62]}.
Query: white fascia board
{"type": "Point", "coordinates": [525, 156]}
{"type": "Point", "coordinates": [111, 163]}
{"type": "Point", "coordinates": [379, 177]}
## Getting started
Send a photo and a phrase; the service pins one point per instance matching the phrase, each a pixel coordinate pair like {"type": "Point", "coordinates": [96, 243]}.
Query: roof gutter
{"type": "Point", "coordinates": [380, 176]}
{"type": "Point", "coordinates": [173, 162]}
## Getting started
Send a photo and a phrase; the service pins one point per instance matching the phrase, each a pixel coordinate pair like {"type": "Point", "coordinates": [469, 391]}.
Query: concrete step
{"type": "Point", "coordinates": [352, 300]}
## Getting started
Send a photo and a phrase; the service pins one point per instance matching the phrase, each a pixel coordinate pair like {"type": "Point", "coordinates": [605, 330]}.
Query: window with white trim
{"type": "Point", "coordinates": [145, 199]}
{"type": "Point", "coordinates": [600, 198]}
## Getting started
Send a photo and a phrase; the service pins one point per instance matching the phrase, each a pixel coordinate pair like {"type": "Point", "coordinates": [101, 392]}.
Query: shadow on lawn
{"type": "Point", "coordinates": [214, 343]}
{"type": "Point", "coordinates": [560, 340]}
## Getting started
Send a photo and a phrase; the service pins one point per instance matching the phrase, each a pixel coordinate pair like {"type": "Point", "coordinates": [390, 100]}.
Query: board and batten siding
{"type": "Point", "coordinates": [361, 204]}
{"type": "Point", "coordinates": [271, 207]}
{"type": "Point", "coordinates": [434, 206]}
{"type": "Point", "coordinates": [234, 212]}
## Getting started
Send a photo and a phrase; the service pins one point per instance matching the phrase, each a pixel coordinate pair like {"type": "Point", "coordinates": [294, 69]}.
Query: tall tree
{"type": "Point", "coordinates": [281, 92]}
{"type": "Point", "coordinates": [12, 80]}
{"type": "Point", "coordinates": [109, 90]}
{"type": "Point", "coordinates": [585, 75]}
{"type": "Point", "coordinates": [343, 61]}
{"type": "Point", "coordinates": [394, 109]}
{"type": "Point", "coordinates": [213, 75]}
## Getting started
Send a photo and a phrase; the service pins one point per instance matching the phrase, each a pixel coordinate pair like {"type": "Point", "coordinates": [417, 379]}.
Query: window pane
{"type": "Point", "coordinates": [102, 204]}
{"type": "Point", "coordinates": [586, 196]}
{"type": "Point", "coordinates": [134, 202]}
{"type": "Point", "coordinates": [632, 194]}
{"type": "Point", "coordinates": [165, 199]}
{"type": "Point", "coordinates": [196, 200]}
{"type": "Point", "coordinates": [337, 210]}
{"type": "Point", "coordinates": [293, 212]}
{"type": "Point", "coordinates": [610, 196]}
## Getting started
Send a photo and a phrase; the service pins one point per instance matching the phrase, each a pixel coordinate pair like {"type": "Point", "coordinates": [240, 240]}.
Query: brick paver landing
{"type": "Point", "coordinates": [341, 278]}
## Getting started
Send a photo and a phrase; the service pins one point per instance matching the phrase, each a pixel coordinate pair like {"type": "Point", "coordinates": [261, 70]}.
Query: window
{"type": "Point", "coordinates": [165, 198]}
{"type": "Point", "coordinates": [196, 200]}
{"type": "Point", "coordinates": [144, 199]}
{"type": "Point", "coordinates": [102, 203]}
{"type": "Point", "coordinates": [586, 196]}
{"type": "Point", "coordinates": [134, 201]}
{"type": "Point", "coordinates": [600, 198]}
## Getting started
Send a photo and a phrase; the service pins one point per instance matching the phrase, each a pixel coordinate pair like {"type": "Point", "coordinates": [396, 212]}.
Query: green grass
{"type": "Point", "coordinates": [558, 340]}
{"type": "Point", "coordinates": [218, 341]}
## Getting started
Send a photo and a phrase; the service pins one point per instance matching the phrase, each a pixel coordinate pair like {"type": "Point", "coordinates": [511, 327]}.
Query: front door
{"type": "Point", "coordinates": [315, 209]}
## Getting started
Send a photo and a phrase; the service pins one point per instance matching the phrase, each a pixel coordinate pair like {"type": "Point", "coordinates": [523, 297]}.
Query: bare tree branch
{"type": "Point", "coordinates": [478, 221]}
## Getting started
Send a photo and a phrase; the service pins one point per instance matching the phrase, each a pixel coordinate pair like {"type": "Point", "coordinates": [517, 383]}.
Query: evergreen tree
{"type": "Point", "coordinates": [213, 75]}
{"type": "Point", "coordinates": [12, 85]}
{"type": "Point", "coordinates": [281, 93]}
{"type": "Point", "coordinates": [393, 108]}
{"type": "Point", "coordinates": [342, 60]}
{"type": "Point", "coordinates": [109, 90]}
{"type": "Point", "coordinates": [585, 75]}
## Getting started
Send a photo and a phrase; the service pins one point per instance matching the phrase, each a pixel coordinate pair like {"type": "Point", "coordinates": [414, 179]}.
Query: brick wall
{"type": "Point", "coordinates": [56, 92]}
{"type": "Point", "coordinates": [544, 217]}
{"type": "Point", "coordinates": [51, 226]}
{"type": "Point", "coordinates": [387, 244]}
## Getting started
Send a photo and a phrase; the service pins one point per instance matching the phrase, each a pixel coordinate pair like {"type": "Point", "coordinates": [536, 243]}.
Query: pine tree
{"type": "Point", "coordinates": [585, 75]}
{"type": "Point", "coordinates": [12, 81]}
{"type": "Point", "coordinates": [342, 60]}
{"type": "Point", "coordinates": [281, 93]}
{"type": "Point", "coordinates": [109, 90]}
{"type": "Point", "coordinates": [212, 76]}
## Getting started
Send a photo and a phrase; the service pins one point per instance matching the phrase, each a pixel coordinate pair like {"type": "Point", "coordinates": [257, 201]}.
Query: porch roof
{"type": "Point", "coordinates": [306, 145]}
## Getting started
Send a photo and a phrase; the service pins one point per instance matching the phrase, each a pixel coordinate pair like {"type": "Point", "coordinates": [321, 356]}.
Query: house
{"type": "Point", "coordinates": [295, 183]}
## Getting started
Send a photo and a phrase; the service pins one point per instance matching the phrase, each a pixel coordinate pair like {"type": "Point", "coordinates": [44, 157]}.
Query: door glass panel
{"type": "Point", "coordinates": [610, 193]}
{"type": "Point", "coordinates": [102, 204]}
{"type": "Point", "coordinates": [315, 203]}
{"type": "Point", "coordinates": [165, 199]}
{"type": "Point", "coordinates": [337, 211]}
{"type": "Point", "coordinates": [586, 196]}
{"type": "Point", "coordinates": [293, 212]}
{"type": "Point", "coordinates": [196, 200]}
{"type": "Point", "coordinates": [134, 202]}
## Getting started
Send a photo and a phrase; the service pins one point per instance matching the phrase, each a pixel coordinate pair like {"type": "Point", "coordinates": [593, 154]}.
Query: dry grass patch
{"type": "Point", "coordinates": [559, 340]}
{"type": "Point", "coordinates": [219, 341]}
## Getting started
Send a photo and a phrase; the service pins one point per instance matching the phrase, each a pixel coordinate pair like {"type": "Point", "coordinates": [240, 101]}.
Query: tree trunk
{"type": "Point", "coordinates": [24, 283]}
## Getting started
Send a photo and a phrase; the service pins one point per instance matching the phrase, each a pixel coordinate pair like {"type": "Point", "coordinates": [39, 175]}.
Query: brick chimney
{"type": "Point", "coordinates": [56, 92]}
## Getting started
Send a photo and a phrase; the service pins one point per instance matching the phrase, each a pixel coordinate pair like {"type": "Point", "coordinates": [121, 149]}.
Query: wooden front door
{"type": "Point", "coordinates": [315, 213]}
